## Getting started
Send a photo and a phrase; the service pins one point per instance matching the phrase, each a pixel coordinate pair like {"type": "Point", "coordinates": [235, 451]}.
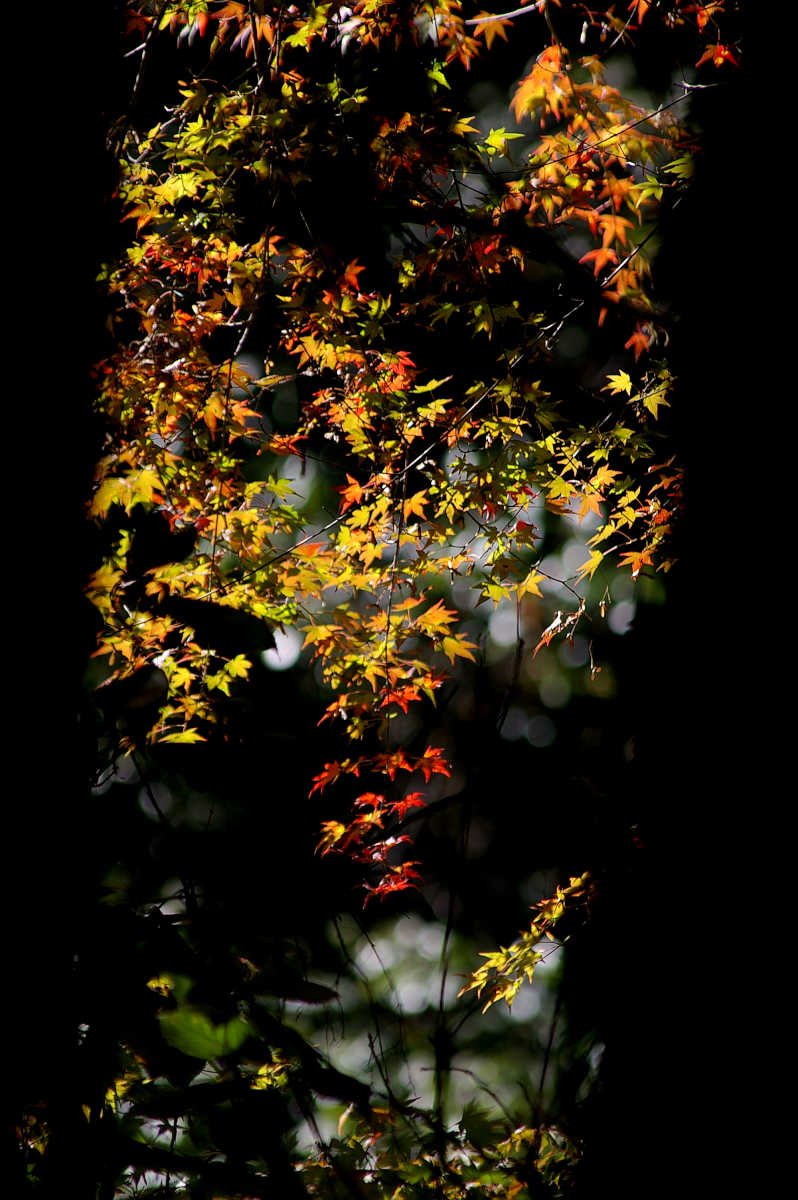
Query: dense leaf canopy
{"type": "Point", "coordinates": [385, 412]}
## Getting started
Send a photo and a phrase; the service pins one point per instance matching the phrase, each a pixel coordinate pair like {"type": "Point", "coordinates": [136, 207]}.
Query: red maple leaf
{"type": "Point", "coordinates": [351, 273]}
{"type": "Point", "coordinates": [396, 880]}
{"type": "Point", "coordinates": [718, 55]}
{"type": "Point", "coordinates": [369, 799]}
{"type": "Point", "coordinates": [432, 763]}
{"type": "Point", "coordinates": [398, 808]}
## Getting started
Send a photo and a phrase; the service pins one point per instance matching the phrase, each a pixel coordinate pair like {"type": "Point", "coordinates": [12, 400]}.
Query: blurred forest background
{"type": "Point", "coordinates": [624, 774]}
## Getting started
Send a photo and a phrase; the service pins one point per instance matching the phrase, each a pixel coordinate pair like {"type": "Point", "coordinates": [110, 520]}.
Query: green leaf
{"type": "Point", "coordinates": [436, 73]}
{"type": "Point", "coordinates": [185, 735]}
{"type": "Point", "coordinates": [192, 1032]}
{"type": "Point", "coordinates": [682, 168]}
{"type": "Point", "coordinates": [497, 140]}
{"type": "Point", "coordinates": [479, 1126]}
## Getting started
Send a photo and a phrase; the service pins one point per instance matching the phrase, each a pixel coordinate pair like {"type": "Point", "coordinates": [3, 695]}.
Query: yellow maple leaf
{"type": "Point", "coordinates": [458, 647]}
{"type": "Point", "coordinates": [529, 586]}
{"type": "Point", "coordinates": [110, 490]}
{"type": "Point", "coordinates": [589, 567]}
{"type": "Point", "coordinates": [437, 617]}
{"type": "Point", "coordinates": [618, 383]}
{"type": "Point", "coordinates": [560, 490]}
{"type": "Point", "coordinates": [656, 400]}
{"type": "Point", "coordinates": [464, 126]}
{"type": "Point", "coordinates": [491, 27]}
{"type": "Point", "coordinates": [144, 486]}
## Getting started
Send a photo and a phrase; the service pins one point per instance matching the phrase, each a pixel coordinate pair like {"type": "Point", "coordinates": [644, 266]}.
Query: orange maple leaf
{"type": "Point", "coordinates": [350, 495]}
{"type": "Point", "coordinates": [639, 342]}
{"type": "Point", "coordinates": [333, 771]}
{"type": "Point", "coordinates": [414, 505]}
{"type": "Point", "coordinates": [490, 28]}
{"type": "Point", "coordinates": [401, 695]}
{"type": "Point", "coordinates": [718, 55]}
{"type": "Point", "coordinates": [432, 763]}
{"type": "Point", "coordinates": [601, 256]}
{"type": "Point", "coordinates": [635, 559]}
{"type": "Point", "coordinates": [391, 763]}
{"type": "Point", "coordinates": [351, 273]}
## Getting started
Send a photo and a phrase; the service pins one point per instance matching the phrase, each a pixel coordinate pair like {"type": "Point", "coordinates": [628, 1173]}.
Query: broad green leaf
{"type": "Point", "coordinates": [189, 1030]}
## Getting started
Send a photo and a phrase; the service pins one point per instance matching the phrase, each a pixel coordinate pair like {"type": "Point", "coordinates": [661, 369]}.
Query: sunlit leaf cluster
{"type": "Point", "coordinates": [446, 459]}
{"type": "Point", "coordinates": [405, 281]}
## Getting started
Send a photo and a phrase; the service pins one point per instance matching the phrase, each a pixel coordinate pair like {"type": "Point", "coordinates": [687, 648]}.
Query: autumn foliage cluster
{"type": "Point", "coordinates": [445, 454]}
{"type": "Point", "coordinates": [316, 194]}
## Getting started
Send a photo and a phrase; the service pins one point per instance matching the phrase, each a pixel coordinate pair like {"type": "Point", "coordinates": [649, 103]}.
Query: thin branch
{"type": "Point", "coordinates": [550, 1043]}
{"type": "Point", "coordinates": [538, 6]}
{"type": "Point", "coordinates": [400, 524]}
{"type": "Point", "coordinates": [156, 21]}
{"type": "Point", "coordinates": [253, 32]}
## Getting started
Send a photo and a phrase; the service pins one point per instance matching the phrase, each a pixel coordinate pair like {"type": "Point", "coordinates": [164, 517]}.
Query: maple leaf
{"type": "Point", "coordinates": [398, 808]}
{"type": "Point", "coordinates": [636, 560]}
{"type": "Point", "coordinates": [612, 227]}
{"type": "Point", "coordinates": [491, 27]}
{"type": "Point", "coordinates": [458, 647]}
{"type": "Point", "coordinates": [286, 443]}
{"type": "Point", "coordinates": [531, 585]}
{"type": "Point", "coordinates": [415, 505]}
{"type": "Point", "coordinates": [333, 832]}
{"type": "Point", "coordinates": [352, 494]}
{"type": "Point", "coordinates": [463, 126]}
{"type": "Point", "coordinates": [184, 735]}
{"type": "Point", "coordinates": [603, 475]}
{"type": "Point", "coordinates": [432, 763]}
{"type": "Point", "coordinates": [600, 257]}
{"type": "Point", "coordinates": [111, 490]}
{"type": "Point", "coordinates": [351, 273]}
{"type": "Point", "coordinates": [144, 487]}
{"type": "Point", "coordinates": [537, 88]}
{"type": "Point", "coordinates": [589, 568]}
{"type": "Point", "coordinates": [391, 763]}
{"type": "Point", "coordinates": [703, 12]}
{"type": "Point", "coordinates": [436, 618]}
{"type": "Point", "coordinates": [402, 696]}
{"type": "Point", "coordinates": [618, 383]}
{"type": "Point", "coordinates": [333, 771]}
{"type": "Point", "coordinates": [639, 342]}
{"type": "Point", "coordinates": [369, 798]}
{"type": "Point", "coordinates": [590, 502]}
{"type": "Point", "coordinates": [560, 491]}
{"type": "Point", "coordinates": [494, 592]}
{"type": "Point", "coordinates": [655, 400]}
{"type": "Point", "coordinates": [368, 820]}
{"type": "Point", "coordinates": [398, 879]}
{"type": "Point", "coordinates": [718, 54]}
